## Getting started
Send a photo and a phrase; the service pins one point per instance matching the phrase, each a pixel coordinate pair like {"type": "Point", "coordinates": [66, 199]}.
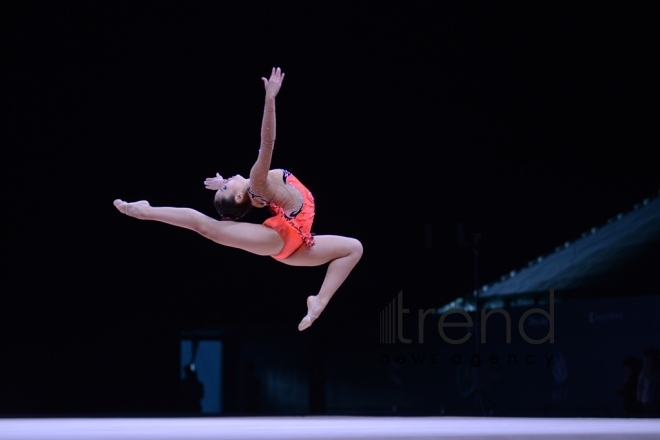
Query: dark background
{"type": "Point", "coordinates": [415, 125]}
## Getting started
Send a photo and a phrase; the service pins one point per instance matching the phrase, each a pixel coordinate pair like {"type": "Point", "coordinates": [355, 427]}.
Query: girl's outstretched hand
{"type": "Point", "coordinates": [273, 84]}
{"type": "Point", "coordinates": [214, 183]}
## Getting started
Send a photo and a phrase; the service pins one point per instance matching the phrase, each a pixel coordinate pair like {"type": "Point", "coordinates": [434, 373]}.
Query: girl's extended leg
{"type": "Point", "coordinates": [343, 253]}
{"type": "Point", "coordinates": [257, 239]}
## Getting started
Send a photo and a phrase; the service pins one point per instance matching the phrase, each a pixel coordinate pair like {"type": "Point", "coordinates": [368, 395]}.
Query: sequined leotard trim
{"type": "Point", "coordinates": [285, 175]}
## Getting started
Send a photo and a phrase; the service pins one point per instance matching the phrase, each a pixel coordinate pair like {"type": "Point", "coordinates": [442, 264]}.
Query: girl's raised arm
{"type": "Point", "coordinates": [259, 171]}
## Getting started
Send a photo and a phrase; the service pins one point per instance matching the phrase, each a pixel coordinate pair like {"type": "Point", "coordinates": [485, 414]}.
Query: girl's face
{"type": "Point", "coordinates": [232, 186]}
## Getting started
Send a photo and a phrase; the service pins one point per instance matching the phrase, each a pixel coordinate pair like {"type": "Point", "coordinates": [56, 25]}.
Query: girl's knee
{"type": "Point", "coordinates": [356, 247]}
{"type": "Point", "coordinates": [206, 229]}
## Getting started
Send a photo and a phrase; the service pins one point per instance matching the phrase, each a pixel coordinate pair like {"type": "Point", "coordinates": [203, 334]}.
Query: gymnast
{"type": "Point", "coordinates": [286, 236]}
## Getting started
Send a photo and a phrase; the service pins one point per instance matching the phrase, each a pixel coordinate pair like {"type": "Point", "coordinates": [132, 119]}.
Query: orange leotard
{"type": "Point", "coordinates": [295, 228]}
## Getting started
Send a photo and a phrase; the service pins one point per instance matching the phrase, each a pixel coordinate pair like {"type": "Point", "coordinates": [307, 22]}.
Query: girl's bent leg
{"type": "Point", "coordinates": [257, 239]}
{"type": "Point", "coordinates": [343, 253]}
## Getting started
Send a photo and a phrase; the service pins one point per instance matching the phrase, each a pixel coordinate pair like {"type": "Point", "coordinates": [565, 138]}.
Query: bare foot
{"type": "Point", "coordinates": [313, 312]}
{"type": "Point", "coordinates": [134, 209]}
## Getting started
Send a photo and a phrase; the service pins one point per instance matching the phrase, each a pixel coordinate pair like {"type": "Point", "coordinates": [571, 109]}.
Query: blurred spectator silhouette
{"type": "Point", "coordinates": [192, 391]}
{"type": "Point", "coordinates": [648, 386]}
{"type": "Point", "coordinates": [632, 366]}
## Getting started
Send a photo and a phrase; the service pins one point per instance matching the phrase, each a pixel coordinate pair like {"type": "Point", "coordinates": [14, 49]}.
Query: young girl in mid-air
{"type": "Point", "coordinates": [286, 236]}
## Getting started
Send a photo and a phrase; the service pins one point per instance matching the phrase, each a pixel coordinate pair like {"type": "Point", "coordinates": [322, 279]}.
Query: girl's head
{"type": "Point", "coordinates": [232, 200]}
